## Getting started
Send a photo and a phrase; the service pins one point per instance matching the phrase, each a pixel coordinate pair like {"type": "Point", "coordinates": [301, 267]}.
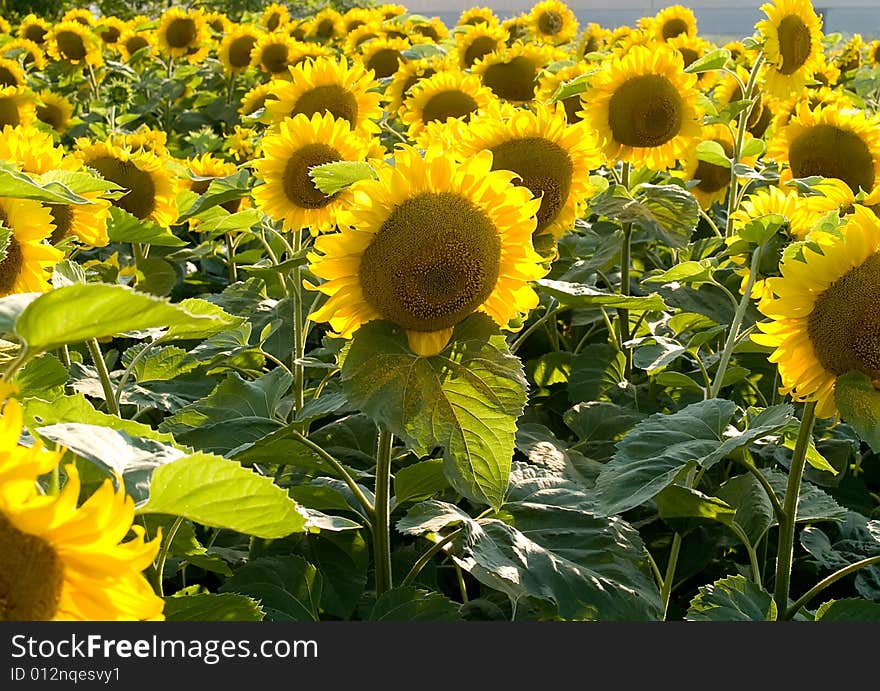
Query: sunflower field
{"type": "Point", "coordinates": [327, 312]}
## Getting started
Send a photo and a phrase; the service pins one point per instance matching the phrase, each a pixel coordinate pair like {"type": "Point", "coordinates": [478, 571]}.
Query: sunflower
{"type": "Point", "coordinates": [446, 95]}
{"type": "Point", "coordinates": [288, 193]}
{"type": "Point", "coordinates": [11, 73]}
{"type": "Point", "coordinates": [692, 48]}
{"type": "Point", "coordinates": [75, 44]}
{"type": "Point", "coordinates": [63, 562]}
{"type": "Point", "coordinates": [512, 73]}
{"type": "Point", "coordinates": [17, 106]}
{"type": "Point", "coordinates": [395, 28]}
{"type": "Point", "coordinates": [824, 317]}
{"type": "Point", "coordinates": [713, 180]}
{"type": "Point", "coordinates": [792, 44]}
{"type": "Point", "coordinates": [28, 260]}
{"type": "Point", "coordinates": [328, 86]}
{"type": "Point", "coordinates": [183, 34]}
{"type": "Point", "coordinates": [34, 29]}
{"type": "Point", "coordinates": [427, 244]}
{"type": "Point", "coordinates": [134, 40]}
{"type": "Point", "coordinates": [31, 149]}
{"type": "Point", "coordinates": [274, 17]}
{"type": "Point", "coordinates": [874, 53]}
{"type": "Point", "coordinates": [326, 26]}
{"type": "Point", "coordinates": [823, 96]}
{"type": "Point", "coordinates": [476, 42]}
{"type": "Point", "coordinates": [832, 143]}
{"type": "Point", "coordinates": [477, 15]}
{"type": "Point", "coordinates": [80, 15]}
{"type": "Point", "coordinates": [296, 29]}
{"type": "Point", "coordinates": [54, 110]}
{"type": "Point", "coordinates": [517, 28]}
{"type": "Point", "coordinates": [256, 98]}
{"type": "Point", "coordinates": [433, 29]}
{"type": "Point", "coordinates": [272, 53]}
{"type": "Point", "coordinates": [383, 55]}
{"type": "Point", "coordinates": [549, 157]}
{"type": "Point", "coordinates": [593, 39]}
{"type": "Point", "coordinates": [390, 11]}
{"type": "Point", "coordinates": [29, 53]}
{"type": "Point", "coordinates": [152, 189]}
{"type": "Point", "coordinates": [5, 28]}
{"type": "Point", "coordinates": [110, 30]}
{"type": "Point", "coordinates": [670, 22]}
{"type": "Point", "coordinates": [549, 82]}
{"type": "Point", "coordinates": [85, 222]}
{"type": "Point", "coordinates": [301, 52]}
{"type": "Point", "coordinates": [354, 40]}
{"type": "Point", "coordinates": [798, 219]}
{"type": "Point", "coordinates": [205, 168]}
{"type": "Point", "coordinates": [237, 47]}
{"type": "Point", "coordinates": [357, 17]}
{"type": "Point", "coordinates": [410, 74]}
{"type": "Point", "coordinates": [727, 90]}
{"type": "Point", "coordinates": [144, 139]}
{"type": "Point", "coordinates": [219, 23]}
{"type": "Point", "coordinates": [850, 57]}
{"type": "Point", "coordinates": [553, 22]}
{"type": "Point", "coordinates": [644, 107]}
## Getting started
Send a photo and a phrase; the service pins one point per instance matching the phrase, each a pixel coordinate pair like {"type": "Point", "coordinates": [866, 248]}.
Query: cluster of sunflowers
{"type": "Point", "coordinates": [436, 169]}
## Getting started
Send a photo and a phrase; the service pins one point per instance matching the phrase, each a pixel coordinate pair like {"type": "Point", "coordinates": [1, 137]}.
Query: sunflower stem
{"type": "Point", "coordinates": [104, 376]}
{"type": "Point", "coordinates": [742, 126]}
{"type": "Point", "coordinates": [298, 340]}
{"type": "Point", "coordinates": [123, 380]}
{"type": "Point", "coordinates": [738, 316]}
{"type": "Point", "coordinates": [163, 555]}
{"type": "Point", "coordinates": [429, 554]}
{"type": "Point", "coordinates": [785, 552]}
{"type": "Point", "coordinates": [827, 581]}
{"type": "Point", "coordinates": [230, 258]}
{"type": "Point", "coordinates": [382, 518]}
{"type": "Point", "coordinates": [17, 363]}
{"type": "Point", "coordinates": [625, 260]}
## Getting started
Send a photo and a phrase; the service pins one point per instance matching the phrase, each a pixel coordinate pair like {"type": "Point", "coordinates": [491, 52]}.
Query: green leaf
{"type": "Point", "coordinates": [414, 604]}
{"type": "Point", "coordinates": [212, 607]}
{"type": "Point", "coordinates": [754, 512]}
{"type": "Point", "coordinates": [838, 545]}
{"type": "Point", "coordinates": [342, 560]}
{"type": "Point", "coordinates": [753, 147]}
{"type": "Point", "coordinates": [42, 377]}
{"type": "Point", "coordinates": [813, 505]}
{"type": "Point", "coordinates": [419, 481]}
{"type": "Point", "coordinates": [11, 308]}
{"type": "Point", "coordinates": [219, 493]}
{"type": "Point", "coordinates": [712, 152]}
{"type": "Point", "coordinates": [430, 517]}
{"type": "Point", "coordinates": [220, 191]}
{"type": "Point", "coordinates": [133, 458]}
{"type": "Point", "coordinates": [466, 399]}
{"type": "Point", "coordinates": [213, 320]}
{"type": "Point", "coordinates": [669, 209]}
{"type": "Point", "coordinates": [331, 178]}
{"type": "Point", "coordinates": [234, 413]}
{"type": "Point", "coordinates": [280, 444]}
{"type": "Point", "coordinates": [713, 60]}
{"type": "Point", "coordinates": [155, 276]}
{"type": "Point", "coordinates": [690, 272]}
{"type": "Point", "coordinates": [580, 295]}
{"type": "Point", "coordinates": [598, 425]}
{"type": "Point", "coordinates": [288, 588]}
{"type": "Point", "coordinates": [852, 609]}
{"type": "Point", "coordinates": [652, 455]}
{"type": "Point", "coordinates": [78, 181]}
{"type": "Point", "coordinates": [859, 404]}
{"type": "Point", "coordinates": [596, 369]}
{"type": "Point", "coordinates": [681, 502]}
{"type": "Point", "coordinates": [230, 223]}
{"type": "Point", "coordinates": [5, 239]}
{"type": "Point", "coordinates": [20, 185]}
{"type": "Point", "coordinates": [76, 313]}
{"type": "Point", "coordinates": [124, 227]}
{"type": "Point", "coordinates": [732, 599]}
{"type": "Point", "coordinates": [573, 87]}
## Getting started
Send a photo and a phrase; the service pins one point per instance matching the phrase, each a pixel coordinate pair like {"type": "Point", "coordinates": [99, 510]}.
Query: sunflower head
{"type": "Point", "coordinates": [237, 47]}
{"type": "Point", "coordinates": [477, 15]}
{"type": "Point", "coordinates": [553, 22]}
{"type": "Point", "coordinates": [383, 56]}
{"type": "Point", "coordinates": [271, 55]}
{"type": "Point", "coordinates": [134, 40]}
{"type": "Point", "coordinates": [17, 106]}
{"type": "Point", "coordinates": [34, 29]}
{"type": "Point", "coordinates": [54, 110]}
{"type": "Point", "coordinates": [434, 30]}
{"type": "Point", "coordinates": [550, 158]}
{"type": "Point", "coordinates": [473, 43]}
{"type": "Point", "coordinates": [670, 22]}
{"type": "Point", "coordinates": [288, 193]}
{"type": "Point", "coordinates": [643, 107]}
{"type": "Point", "coordinates": [824, 317]}
{"type": "Point", "coordinates": [427, 244]}
{"type": "Point", "coordinates": [275, 17]}
{"type": "Point", "coordinates": [831, 142]}
{"type": "Point", "coordinates": [255, 99]}
{"type": "Point", "coordinates": [64, 560]}
{"type": "Point", "coordinates": [31, 149]}
{"type": "Point", "coordinates": [218, 22]}
{"type": "Point", "coordinates": [512, 72]}
{"type": "Point", "coordinates": [326, 26]}
{"type": "Point", "coordinates": [28, 260]}
{"type": "Point", "coordinates": [184, 34]}
{"type": "Point", "coordinates": [874, 53]}
{"type": "Point", "coordinates": [410, 74]}
{"type": "Point", "coordinates": [593, 39]}
{"type": "Point", "coordinates": [11, 73]}
{"type": "Point", "coordinates": [75, 44]}
{"type": "Point", "coordinates": [712, 180]}
{"type": "Point", "coordinates": [328, 85]}
{"type": "Point", "coordinates": [550, 81]}
{"type": "Point", "coordinates": [25, 51]}
{"type": "Point", "coordinates": [110, 29]}
{"type": "Point", "coordinates": [355, 39]}
{"type": "Point", "coordinates": [792, 36]}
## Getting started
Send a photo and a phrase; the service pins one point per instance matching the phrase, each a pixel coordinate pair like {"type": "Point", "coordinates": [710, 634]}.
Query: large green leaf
{"type": "Point", "coordinates": [212, 607]}
{"type": "Point", "coordinates": [839, 545]}
{"type": "Point", "coordinates": [419, 481]}
{"type": "Point", "coordinates": [598, 425]}
{"type": "Point", "coordinates": [343, 560]}
{"type": "Point", "coordinates": [466, 399]}
{"type": "Point", "coordinates": [288, 588]}
{"type": "Point", "coordinates": [754, 511]}
{"type": "Point", "coordinates": [236, 412]}
{"type": "Point", "coordinates": [414, 604]}
{"type": "Point", "coordinates": [668, 209]}
{"type": "Point", "coordinates": [595, 370]}
{"type": "Point", "coordinates": [124, 227]}
{"type": "Point", "coordinates": [43, 377]}
{"type": "Point", "coordinates": [220, 493]}
{"type": "Point", "coordinates": [20, 185]}
{"type": "Point", "coordinates": [76, 313]}
{"type": "Point", "coordinates": [216, 321]}
{"type": "Point", "coordinates": [732, 599]}
{"type": "Point", "coordinates": [859, 403]}
{"type": "Point", "coordinates": [852, 609]}
{"type": "Point", "coordinates": [652, 455]}
{"type": "Point", "coordinates": [580, 295]}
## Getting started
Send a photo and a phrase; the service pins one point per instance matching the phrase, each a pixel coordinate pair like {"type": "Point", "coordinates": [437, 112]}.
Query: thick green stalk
{"type": "Point", "coordinates": [829, 580]}
{"type": "Point", "coordinates": [785, 552]}
{"type": "Point", "coordinates": [163, 555]}
{"type": "Point", "coordinates": [382, 519]}
{"type": "Point", "coordinates": [104, 376]}
{"type": "Point", "coordinates": [298, 339]}
{"type": "Point", "coordinates": [625, 261]}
